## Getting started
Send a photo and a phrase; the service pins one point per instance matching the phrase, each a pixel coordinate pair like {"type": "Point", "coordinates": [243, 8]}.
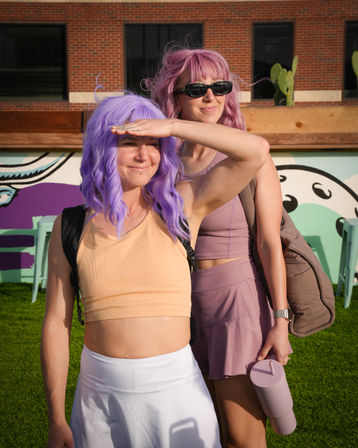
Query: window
{"type": "Point", "coordinates": [32, 62]}
{"type": "Point", "coordinates": [273, 42]}
{"type": "Point", "coordinates": [145, 45]}
{"type": "Point", "coordinates": [350, 79]}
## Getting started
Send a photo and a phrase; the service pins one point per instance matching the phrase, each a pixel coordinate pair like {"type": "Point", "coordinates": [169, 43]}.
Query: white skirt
{"type": "Point", "coordinates": [157, 402]}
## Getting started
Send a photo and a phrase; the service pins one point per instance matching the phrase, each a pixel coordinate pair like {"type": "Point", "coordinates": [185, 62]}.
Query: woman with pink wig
{"type": "Point", "coordinates": [235, 325]}
{"type": "Point", "coordinates": [139, 385]}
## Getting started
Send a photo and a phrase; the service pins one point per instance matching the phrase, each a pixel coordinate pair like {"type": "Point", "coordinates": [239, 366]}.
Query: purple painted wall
{"type": "Point", "coordinates": [37, 200]}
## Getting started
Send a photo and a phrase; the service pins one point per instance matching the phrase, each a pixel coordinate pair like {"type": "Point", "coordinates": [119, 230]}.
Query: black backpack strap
{"type": "Point", "coordinates": [190, 253]}
{"type": "Point", "coordinates": [186, 243]}
{"type": "Point", "coordinates": [71, 229]}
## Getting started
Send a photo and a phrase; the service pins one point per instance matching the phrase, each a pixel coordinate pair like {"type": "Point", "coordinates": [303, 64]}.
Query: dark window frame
{"type": "Point", "coordinates": [289, 60]}
{"type": "Point", "coordinates": [348, 94]}
{"type": "Point", "coordinates": [151, 73]}
{"type": "Point", "coordinates": [62, 94]}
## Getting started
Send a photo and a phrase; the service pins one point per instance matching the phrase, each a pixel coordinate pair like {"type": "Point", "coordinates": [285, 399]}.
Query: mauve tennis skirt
{"type": "Point", "coordinates": [156, 402]}
{"type": "Point", "coordinates": [232, 316]}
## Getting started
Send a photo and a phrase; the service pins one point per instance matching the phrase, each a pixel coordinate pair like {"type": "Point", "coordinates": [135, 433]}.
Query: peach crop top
{"type": "Point", "coordinates": [145, 273]}
{"type": "Point", "coordinates": [224, 233]}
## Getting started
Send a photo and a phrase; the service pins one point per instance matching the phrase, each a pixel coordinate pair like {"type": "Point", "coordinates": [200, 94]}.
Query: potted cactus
{"type": "Point", "coordinates": [303, 127]}
{"type": "Point", "coordinates": [355, 64]}
{"type": "Point", "coordinates": [283, 82]}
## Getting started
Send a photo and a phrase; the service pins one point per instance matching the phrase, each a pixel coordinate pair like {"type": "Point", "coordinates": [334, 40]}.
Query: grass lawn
{"type": "Point", "coordinates": [322, 374]}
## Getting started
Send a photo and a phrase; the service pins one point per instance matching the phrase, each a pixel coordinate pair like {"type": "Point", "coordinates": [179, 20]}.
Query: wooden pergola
{"type": "Point", "coordinates": [299, 128]}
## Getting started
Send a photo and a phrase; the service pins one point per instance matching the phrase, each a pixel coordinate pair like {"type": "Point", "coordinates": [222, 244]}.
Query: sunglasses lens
{"type": "Point", "coordinates": [195, 90]}
{"type": "Point", "coordinates": [222, 87]}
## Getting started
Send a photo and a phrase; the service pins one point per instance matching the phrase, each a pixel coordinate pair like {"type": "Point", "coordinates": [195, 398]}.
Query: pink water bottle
{"type": "Point", "coordinates": [269, 379]}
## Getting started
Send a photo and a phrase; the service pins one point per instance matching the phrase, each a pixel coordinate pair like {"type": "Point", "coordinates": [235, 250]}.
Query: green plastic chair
{"type": "Point", "coordinates": [42, 238]}
{"type": "Point", "coordinates": [349, 257]}
{"type": "Point", "coordinates": [18, 275]}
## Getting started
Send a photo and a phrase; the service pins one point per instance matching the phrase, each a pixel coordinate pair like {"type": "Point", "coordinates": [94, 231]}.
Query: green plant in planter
{"type": "Point", "coordinates": [283, 81]}
{"type": "Point", "coordinates": [355, 63]}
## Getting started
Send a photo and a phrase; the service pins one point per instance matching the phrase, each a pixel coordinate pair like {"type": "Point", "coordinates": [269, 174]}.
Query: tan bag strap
{"type": "Point", "coordinates": [247, 197]}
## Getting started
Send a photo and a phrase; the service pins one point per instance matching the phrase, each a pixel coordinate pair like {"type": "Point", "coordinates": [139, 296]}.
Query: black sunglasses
{"type": "Point", "coordinates": [198, 89]}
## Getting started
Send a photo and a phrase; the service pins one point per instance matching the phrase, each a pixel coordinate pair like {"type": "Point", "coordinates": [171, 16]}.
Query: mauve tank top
{"type": "Point", "coordinates": [224, 233]}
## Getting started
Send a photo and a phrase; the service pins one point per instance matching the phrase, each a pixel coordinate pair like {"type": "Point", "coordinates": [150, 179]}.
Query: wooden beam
{"type": "Point", "coordinates": [319, 141]}
{"type": "Point", "coordinates": [41, 122]}
{"type": "Point", "coordinates": [279, 142]}
{"type": "Point", "coordinates": [301, 120]}
{"type": "Point", "coordinates": [41, 141]}
{"type": "Point", "coordinates": [299, 128]}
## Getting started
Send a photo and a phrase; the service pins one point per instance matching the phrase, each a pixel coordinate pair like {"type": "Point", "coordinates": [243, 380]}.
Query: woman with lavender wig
{"type": "Point", "coordinates": [235, 325]}
{"type": "Point", "coordinates": [139, 385]}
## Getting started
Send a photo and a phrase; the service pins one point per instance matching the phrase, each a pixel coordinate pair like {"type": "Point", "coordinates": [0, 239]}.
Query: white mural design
{"type": "Point", "coordinates": [319, 190]}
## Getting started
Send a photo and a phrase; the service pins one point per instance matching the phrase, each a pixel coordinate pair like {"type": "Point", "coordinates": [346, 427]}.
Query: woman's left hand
{"type": "Point", "coordinates": [277, 340]}
{"type": "Point", "coordinates": [158, 128]}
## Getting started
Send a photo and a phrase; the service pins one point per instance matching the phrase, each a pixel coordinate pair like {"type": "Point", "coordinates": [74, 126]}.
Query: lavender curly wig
{"type": "Point", "coordinates": [101, 183]}
{"type": "Point", "coordinates": [198, 64]}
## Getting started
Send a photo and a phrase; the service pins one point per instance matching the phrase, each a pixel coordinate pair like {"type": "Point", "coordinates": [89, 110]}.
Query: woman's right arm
{"type": "Point", "coordinates": [55, 340]}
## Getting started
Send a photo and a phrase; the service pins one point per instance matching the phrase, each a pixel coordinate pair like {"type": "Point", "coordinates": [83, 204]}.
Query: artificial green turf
{"type": "Point", "coordinates": [23, 420]}
{"type": "Point", "coordinates": [322, 374]}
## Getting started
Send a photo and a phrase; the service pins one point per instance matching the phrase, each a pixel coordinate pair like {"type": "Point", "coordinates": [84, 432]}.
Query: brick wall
{"type": "Point", "coordinates": [95, 38]}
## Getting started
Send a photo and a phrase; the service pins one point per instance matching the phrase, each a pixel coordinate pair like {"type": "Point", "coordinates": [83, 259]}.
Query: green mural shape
{"type": "Point", "coordinates": [318, 226]}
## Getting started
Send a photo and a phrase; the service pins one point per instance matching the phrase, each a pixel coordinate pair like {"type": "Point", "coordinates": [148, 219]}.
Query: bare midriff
{"type": "Point", "coordinates": [139, 337]}
{"type": "Point", "coordinates": [207, 264]}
